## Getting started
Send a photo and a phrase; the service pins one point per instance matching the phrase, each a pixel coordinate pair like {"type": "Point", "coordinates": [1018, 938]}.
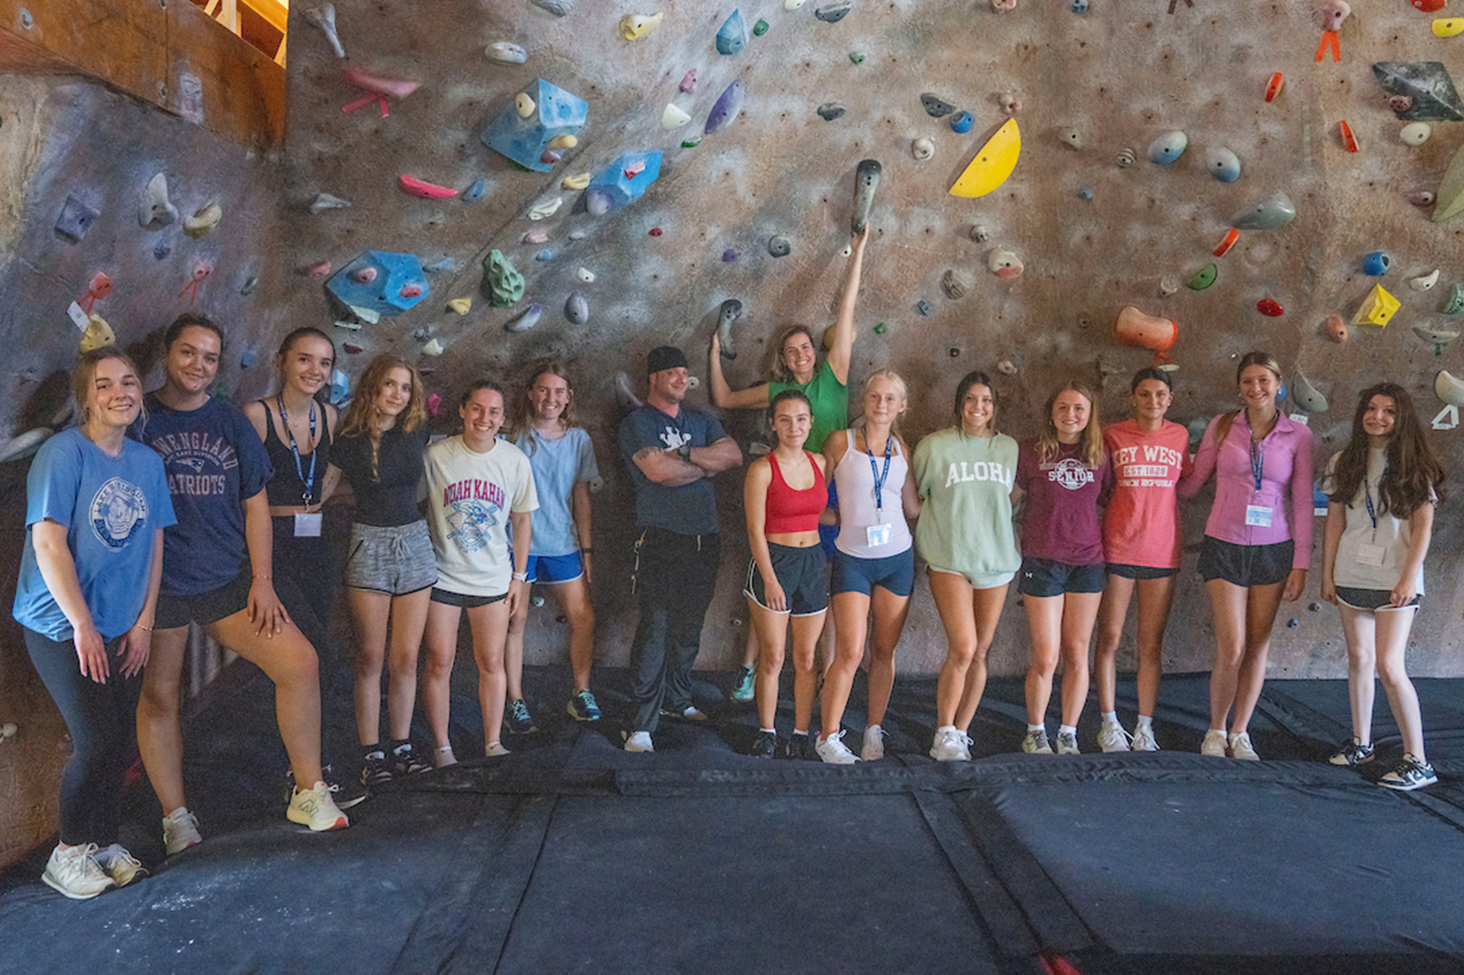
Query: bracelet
{"type": "Point", "coordinates": [139, 626]}
{"type": "Point", "coordinates": [587, 551]}
{"type": "Point", "coordinates": [521, 577]}
{"type": "Point", "coordinates": [261, 577]}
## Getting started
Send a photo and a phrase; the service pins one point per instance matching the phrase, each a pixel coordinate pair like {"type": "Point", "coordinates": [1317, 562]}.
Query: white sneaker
{"type": "Point", "coordinates": [180, 831]}
{"type": "Point", "coordinates": [639, 741]}
{"type": "Point", "coordinates": [1036, 743]}
{"type": "Point", "coordinates": [494, 749]}
{"type": "Point", "coordinates": [951, 745]}
{"type": "Point", "coordinates": [1112, 738]}
{"type": "Point", "coordinates": [1241, 748]}
{"type": "Point", "coordinates": [873, 748]}
{"type": "Point", "coordinates": [75, 873]}
{"type": "Point", "coordinates": [1067, 743]}
{"type": "Point", "coordinates": [443, 756]}
{"type": "Point", "coordinates": [315, 808]}
{"type": "Point", "coordinates": [833, 751]}
{"type": "Point", "coordinates": [120, 865]}
{"type": "Point", "coordinates": [1143, 740]}
{"type": "Point", "coordinates": [1214, 744]}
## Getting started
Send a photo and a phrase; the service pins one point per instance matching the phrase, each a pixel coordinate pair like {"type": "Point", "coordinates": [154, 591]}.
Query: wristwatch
{"type": "Point", "coordinates": [685, 451]}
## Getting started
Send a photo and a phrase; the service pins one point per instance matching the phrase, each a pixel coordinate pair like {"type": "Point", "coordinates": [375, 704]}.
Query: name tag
{"type": "Point", "coordinates": [877, 535]}
{"type": "Point", "coordinates": [1370, 554]}
{"type": "Point", "coordinates": [1257, 516]}
{"type": "Point", "coordinates": [307, 525]}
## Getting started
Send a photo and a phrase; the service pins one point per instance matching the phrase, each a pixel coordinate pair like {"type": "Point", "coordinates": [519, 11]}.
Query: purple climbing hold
{"type": "Point", "coordinates": [730, 254]}
{"type": "Point", "coordinates": [577, 308]}
{"type": "Point", "coordinates": [75, 219]}
{"type": "Point", "coordinates": [576, 235]}
{"type": "Point", "coordinates": [961, 122]}
{"type": "Point", "coordinates": [162, 250]}
{"type": "Point", "coordinates": [727, 108]}
{"type": "Point", "coordinates": [525, 319]}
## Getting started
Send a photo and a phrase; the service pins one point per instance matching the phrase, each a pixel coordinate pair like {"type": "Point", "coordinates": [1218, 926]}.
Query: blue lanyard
{"type": "Point", "coordinates": [879, 476]}
{"type": "Point", "coordinates": [1257, 454]}
{"type": "Point", "coordinates": [309, 482]}
{"type": "Point", "coordinates": [1367, 496]}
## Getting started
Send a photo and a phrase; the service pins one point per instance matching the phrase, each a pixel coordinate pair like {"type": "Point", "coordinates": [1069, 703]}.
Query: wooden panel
{"type": "Point", "coordinates": [123, 42]}
{"type": "Point", "coordinates": [240, 92]}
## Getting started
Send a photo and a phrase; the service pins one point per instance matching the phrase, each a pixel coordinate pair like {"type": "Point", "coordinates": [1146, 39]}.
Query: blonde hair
{"type": "Point", "coordinates": [1227, 420]}
{"type": "Point", "coordinates": [84, 378]}
{"type": "Point", "coordinates": [519, 420]}
{"type": "Point", "coordinates": [1092, 439]}
{"type": "Point", "coordinates": [894, 380]}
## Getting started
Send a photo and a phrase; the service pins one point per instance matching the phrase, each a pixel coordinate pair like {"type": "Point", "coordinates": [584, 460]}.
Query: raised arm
{"type": "Point", "coordinates": [725, 396]}
{"type": "Point", "coordinates": [842, 348]}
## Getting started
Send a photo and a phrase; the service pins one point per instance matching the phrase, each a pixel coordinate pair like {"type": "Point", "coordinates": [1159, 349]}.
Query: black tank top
{"type": "Point", "coordinates": [286, 489]}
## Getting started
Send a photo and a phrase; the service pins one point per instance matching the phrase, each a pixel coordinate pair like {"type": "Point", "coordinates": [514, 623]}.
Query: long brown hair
{"type": "Point", "coordinates": [958, 414]}
{"type": "Point", "coordinates": [361, 414]}
{"type": "Point", "coordinates": [1258, 358]}
{"type": "Point", "coordinates": [1092, 440]}
{"type": "Point", "coordinates": [1413, 476]}
{"type": "Point", "coordinates": [779, 373]}
{"type": "Point", "coordinates": [519, 420]}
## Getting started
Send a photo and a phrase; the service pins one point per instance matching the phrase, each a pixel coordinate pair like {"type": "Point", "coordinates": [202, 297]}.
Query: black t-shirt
{"type": "Point", "coordinates": [387, 496]}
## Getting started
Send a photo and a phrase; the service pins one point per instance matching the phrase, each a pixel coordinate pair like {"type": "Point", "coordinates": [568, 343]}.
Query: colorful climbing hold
{"type": "Point", "coordinates": [856, 56]}
{"type": "Point", "coordinates": [523, 139]}
{"type": "Point", "coordinates": [688, 82]}
{"type": "Point", "coordinates": [75, 219]}
{"type": "Point", "coordinates": [1455, 303]}
{"type": "Point", "coordinates": [881, 328]}
{"type": "Point", "coordinates": [544, 255]}
{"type": "Point", "coordinates": [730, 254]}
{"type": "Point", "coordinates": [503, 282]}
{"type": "Point", "coordinates": [1421, 198]}
{"type": "Point", "coordinates": [923, 307]}
{"type": "Point", "coordinates": [1428, 83]}
{"type": "Point", "coordinates": [1270, 307]}
{"type": "Point", "coordinates": [1448, 26]}
{"type": "Point", "coordinates": [424, 189]}
{"type": "Point", "coordinates": [1336, 329]}
{"type": "Point", "coordinates": [1377, 263]}
{"type": "Point", "coordinates": [993, 163]}
{"type": "Point", "coordinates": [655, 231]}
{"type": "Point", "coordinates": [1004, 264]}
{"type": "Point", "coordinates": [1267, 213]}
{"type": "Point", "coordinates": [525, 319]}
{"type": "Point", "coordinates": [1227, 242]}
{"type": "Point", "coordinates": [1203, 278]}
{"type": "Point", "coordinates": [578, 182]}
{"type": "Point", "coordinates": [691, 143]}
{"type": "Point", "coordinates": [1223, 164]}
{"type": "Point", "coordinates": [577, 308]}
{"type": "Point", "coordinates": [760, 28]}
{"type": "Point", "coordinates": [1167, 148]}
{"type": "Point", "coordinates": [461, 305]}
{"type": "Point", "coordinates": [725, 110]}
{"type": "Point", "coordinates": [1274, 86]}
{"type": "Point", "coordinates": [1158, 335]}
{"type": "Point", "coordinates": [866, 181]}
{"type": "Point", "coordinates": [962, 122]}
{"type": "Point", "coordinates": [732, 35]}
{"type": "Point", "coordinates": [1451, 190]}
{"type": "Point", "coordinates": [1377, 308]}
{"type": "Point", "coordinates": [1349, 141]}
{"type": "Point", "coordinates": [634, 26]}
{"type": "Point", "coordinates": [832, 13]}
{"type": "Point", "coordinates": [1084, 193]}
{"type": "Point", "coordinates": [204, 221]}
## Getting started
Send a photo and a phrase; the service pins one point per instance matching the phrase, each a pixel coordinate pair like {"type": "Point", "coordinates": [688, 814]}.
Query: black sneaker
{"type": "Point", "coordinates": [800, 748]}
{"type": "Point", "coordinates": [1408, 775]}
{"type": "Point", "coordinates": [405, 761]}
{"type": "Point", "coordinates": [765, 745]}
{"type": "Point", "coordinates": [376, 769]}
{"type": "Point", "coordinates": [518, 719]}
{"type": "Point", "coordinates": [1352, 753]}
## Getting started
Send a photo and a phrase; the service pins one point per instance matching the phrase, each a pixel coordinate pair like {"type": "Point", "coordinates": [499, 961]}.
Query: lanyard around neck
{"type": "Point", "coordinates": [879, 476]}
{"type": "Point", "coordinates": [308, 481]}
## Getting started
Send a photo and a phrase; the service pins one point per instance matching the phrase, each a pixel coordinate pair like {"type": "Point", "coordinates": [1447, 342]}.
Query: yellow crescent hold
{"type": "Point", "coordinates": [994, 162]}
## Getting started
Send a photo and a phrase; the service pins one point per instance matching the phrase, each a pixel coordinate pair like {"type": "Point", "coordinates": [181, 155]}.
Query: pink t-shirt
{"type": "Point", "coordinates": [1141, 523]}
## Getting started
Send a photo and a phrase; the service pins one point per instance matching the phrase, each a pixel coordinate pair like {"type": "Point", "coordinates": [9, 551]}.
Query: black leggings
{"type": "Point", "coordinates": [102, 720]}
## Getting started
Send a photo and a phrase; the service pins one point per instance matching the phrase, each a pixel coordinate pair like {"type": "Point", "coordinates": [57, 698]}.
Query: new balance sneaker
{"type": "Point", "coordinates": [639, 741]}
{"type": "Point", "coordinates": [1112, 738]}
{"type": "Point", "coordinates": [873, 748]}
{"type": "Point", "coordinates": [404, 761]}
{"type": "Point", "coordinates": [799, 748]}
{"type": "Point", "coordinates": [688, 713]}
{"type": "Point", "coordinates": [75, 873]}
{"type": "Point", "coordinates": [376, 769]}
{"type": "Point", "coordinates": [316, 809]}
{"type": "Point", "coordinates": [495, 749]}
{"type": "Point", "coordinates": [1353, 753]}
{"type": "Point", "coordinates": [833, 751]}
{"type": "Point", "coordinates": [745, 687]}
{"type": "Point", "coordinates": [1036, 743]}
{"type": "Point", "coordinates": [1408, 775]}
{"type": "Point", "coordinates": [765, 745]}
{"type": "Point", "coordinates": [1214, 744]}
{"type": "Point", "coordinates": [582, 707]}
{"type": "Point", "coordinates": [951, 745]}
{"type": "Point", "coordinates": [344, 789]}
{"type": "Point", "coordinates": [180, 831]}
{"type": "Point", "coordinates": [1067, 743]}
{"type": "Point", "coordinates": [518, 719]}
{"type": "Point", "coordinates": [120, 865]}
{"type": "Point", "coordinates": [1143, 740]}
{"type": "Point", "coordinates": [1241, 748]}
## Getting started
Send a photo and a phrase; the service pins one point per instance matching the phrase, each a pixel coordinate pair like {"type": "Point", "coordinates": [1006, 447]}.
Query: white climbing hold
{"type": "Point", "coordinates": [793, 4]}
{"type": "Point", "coordinates": [524, 104]}
{"type": "Point", "coordinates": [922, 149]}
{"type": "Point", "coordinates": [323, 17]}
{"type": "Point", "coordinates": [433, 347]}
{"type": "Point", "coordinates": [545, 208]}
{"type": "Point", "coordinates": [155, 208]}
{"type": "Point", "coordinates": [507, 53]}
{"type": "Point", "coordinates": [204, 220]}
{"type": "Point", "coordinates": [1415, 133]}
{"type": "Point", "coordinates": [1424, 281]}
{"type": "Point", "coordinates": [586, 275]}
{"type": "Point", "coordinates": [673, 118]}
{"type": "Point", "coordinates": [324, 201]}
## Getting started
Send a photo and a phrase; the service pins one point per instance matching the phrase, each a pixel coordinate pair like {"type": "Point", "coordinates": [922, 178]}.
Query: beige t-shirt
{"type": "Point", "coordinates": [1354, 568]}
{"type": "Point", "coordinates": [469, 498]}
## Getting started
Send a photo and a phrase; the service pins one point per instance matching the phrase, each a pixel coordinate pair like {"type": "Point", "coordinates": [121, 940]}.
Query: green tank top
{"type": "Point", "coordinates": [829, 399]}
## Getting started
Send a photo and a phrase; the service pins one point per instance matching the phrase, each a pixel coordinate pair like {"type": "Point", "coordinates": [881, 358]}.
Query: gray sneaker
{"type": "Point", "coordinates": [1143, 740]}
{"type": "Point", "coordinates": [1067, 744]}
{"type": "Point", "coordinates": [120, 865]}
{"type": "Point", "coordinates": [1112, 738]}
{"type": "Point", "coordinates": [75, 873]}
{"type": "Point", "coordinates": [1036, 743]}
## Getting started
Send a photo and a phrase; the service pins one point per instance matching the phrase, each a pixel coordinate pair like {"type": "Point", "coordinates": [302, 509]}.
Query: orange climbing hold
{"type": "Point", "coordinates": [1231, 236]}
{"type": "Point", "coordinates": [1273, 88]}
{"type": "Point", "coordinates": [1147, 332]}
{"type": "Point", "coordinates": [1349, 142]}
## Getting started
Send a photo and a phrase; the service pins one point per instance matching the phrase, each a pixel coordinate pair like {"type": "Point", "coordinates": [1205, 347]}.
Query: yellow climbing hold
{"type": "Point", "coordinates": [461, 305]}
{"type": "Point", "coordinates": [524, 104]}
{"type": "Point", "coordinates": [1448, 26]}
{"type": "Point", "coordinates": [576, 182]}
{"type": "Point", "coordinates": [633, 26]}
{"type": "Point", "coordinates": [565, 141]}
{"type": "Point", "coordinates": [98, 334]}
{"type": "Point", "coordinates": [1377, 308]}
{"type": "Point", "coordinates": [994, 162]}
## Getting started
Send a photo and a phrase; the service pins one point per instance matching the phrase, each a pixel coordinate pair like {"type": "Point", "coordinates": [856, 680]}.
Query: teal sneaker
{"type": "Point", "coordinates": [743, 689]}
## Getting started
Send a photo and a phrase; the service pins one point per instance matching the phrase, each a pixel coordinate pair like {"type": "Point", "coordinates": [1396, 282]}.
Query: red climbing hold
{"type": "Point", "coordinates": [635, 169]}
{"type": "Point", "coordinates": [655, 231]}
{"type": "Point", "coordinates": [1231, 236]}
{"type": "Point", "coordinates": [1429, 6]}
{"type": "Point", "coordinates": [1269, 306]}
{"type": "Point", "coordinates": [1274, 87]}
{"type": "Point", "coordinates": [352, 349]}
{"type": "Point", "coordinates": [1348, 141]}
{"type": "Point", "coordinates": [424, 189]}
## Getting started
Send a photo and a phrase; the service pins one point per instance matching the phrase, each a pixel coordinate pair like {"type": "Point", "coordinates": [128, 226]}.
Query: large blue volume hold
{"type": "Point", "coordinates": [399, 284]}
{"type": "Point", "coordinates": [525, 140]}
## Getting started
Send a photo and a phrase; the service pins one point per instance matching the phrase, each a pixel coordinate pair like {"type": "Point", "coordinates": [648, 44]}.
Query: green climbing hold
{"type": "Point", "coordinates": [760, 28]}
{"type": "Point", "coordinates": [1455, 304]}
{"type": "Point", "coordinates": [691, 143]}
{"type": "Point", "coordinates": [503, 284]}
{"type": "Point", "coordinates": [881, 328]}
{"type": "Point", "coordinates": [857, 57]}
{"type": "Point", "coordinates": [1204, 277]}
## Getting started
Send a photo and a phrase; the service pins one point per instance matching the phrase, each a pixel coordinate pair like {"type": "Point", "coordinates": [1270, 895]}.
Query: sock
{"type": "Point", "coordinates": [397, 746]}
{"type": "Point", "coordinates": [1036, 727]}
{"type": "Point", "coordinates": [177, 814]}
{"type": "Point", "coordinates": [1145, 721]}
{"type": "Point", "coordinates": [372, 751]}
{"type": "Point", "coordinates": [944, 728]}
{"type": "Point", "coordinates": [1220, 732]}
{"type": "Point", "coordinates": [804, 732]}
{"type": "Point", "coordinates": [768, 731]}
{"type": "Point", "coordinates": [1067, 729]}
{"type": "Point", "coordinates": [444, 756]}
{"type": "Point", "coordinates": [1110, 717]}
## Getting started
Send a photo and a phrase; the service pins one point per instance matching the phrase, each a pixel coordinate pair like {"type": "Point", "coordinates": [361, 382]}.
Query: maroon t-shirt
{"type": "Point", "coordinates": [1061, 521]}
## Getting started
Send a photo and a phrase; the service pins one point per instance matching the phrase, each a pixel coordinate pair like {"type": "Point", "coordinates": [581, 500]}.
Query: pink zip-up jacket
{"type": "Point", "coordinates": [1286, 477]}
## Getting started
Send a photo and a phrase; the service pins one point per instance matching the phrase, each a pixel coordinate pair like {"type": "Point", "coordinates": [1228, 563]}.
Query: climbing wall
{"type": "Point", "coordinates": [1146, 135]}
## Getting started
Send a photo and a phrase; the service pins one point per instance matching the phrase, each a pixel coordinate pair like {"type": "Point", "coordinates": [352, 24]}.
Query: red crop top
{"type": "Point", "coordinates": [792, 511]}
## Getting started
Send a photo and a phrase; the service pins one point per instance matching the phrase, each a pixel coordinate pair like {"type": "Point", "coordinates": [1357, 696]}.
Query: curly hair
{"type": "Point", "coordinates": [1414, 477]}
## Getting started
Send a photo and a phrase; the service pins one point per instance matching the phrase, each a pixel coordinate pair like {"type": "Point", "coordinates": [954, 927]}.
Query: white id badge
{"type": "Point", "coordinates": [877, 535]}
{"type": "Point", "coordinates": [307, 525]}
{"type": "Point", "coordinates": [1370, 554]}
{"type": "Point", "coordinates": [1257, 516]}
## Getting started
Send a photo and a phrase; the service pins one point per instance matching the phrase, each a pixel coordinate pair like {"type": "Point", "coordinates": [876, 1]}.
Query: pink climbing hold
{"type": "Point", "coordinates": [319, 270]}
{"type": "Point", "coordinates": [100, 287]}
{"type": "Point", "coordinates": [688, 83]}
{"type": "Point", "coordinates": [364, 275]}
{"type": "Point", "coordinates": [424, 189]}
{"type": "Point", "coordinates": [634, 169]}
{"type": "Point", "coordinates": [201, 270]}
{"type": "Point", "coordinates": [536, 237]}
{"type": "Point", "coordinates": [352, 348]}
{"type": "Point", "coordinates": [550, 156]}
{"type": "Point", "coordinates": [410, 291]}
{"type": "Point", "coordinates": [377, 89]}
{"type": "Point", "coordinates": [434, 404]}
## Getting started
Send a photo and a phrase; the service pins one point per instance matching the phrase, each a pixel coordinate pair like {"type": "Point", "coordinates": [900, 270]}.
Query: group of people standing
{"type": "Point", "coordinates": [173, 508]}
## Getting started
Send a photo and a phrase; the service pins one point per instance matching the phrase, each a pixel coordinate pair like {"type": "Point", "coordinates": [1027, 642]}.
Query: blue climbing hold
{"type": "Point", "coordinates": [340, 386]}
{"type": "Point", "coordinates": [923, 307]}
{"type": "Point", "coordinates": [75, 219]}
{"type": "Point", "coordinates": [733, 34]}
{"type": "Point", "coordinates": [1223, 164]}
{"type": "Point", "coordinates": [475, 192]}
{"type": "Point", "coordinates": [247, 359]}
{"type": "Point", "coordinates": [162, 250]}
{"type": "Point", "coordinates": [1167, 148]}
{"type": "Point", "coordinates": [730, 254]}
{"type": "Point", "coordinates": [622, 182]}
{"type": "Point", "coordinates": [397, 285]}
{"type": "Point", "coordinates": [544, 255]}
{"type": "Point", "coordinates": [524, 140]}
{"type": "Point", "coordinates": [1085, 194]}
{"type": "Point", "coordinates": [1377, 263]}
{"type": "Point", "coordinates": [437, 267]}
{"type": "Point", "coordinates": [961, 122]}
